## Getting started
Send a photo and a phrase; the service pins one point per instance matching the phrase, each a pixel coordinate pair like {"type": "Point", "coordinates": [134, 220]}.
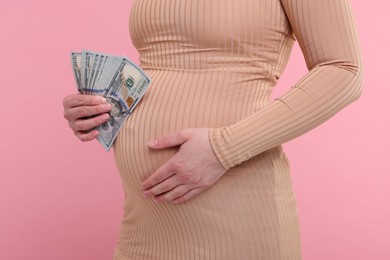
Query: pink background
{"type": "Point", "coordinates": [62, 199]}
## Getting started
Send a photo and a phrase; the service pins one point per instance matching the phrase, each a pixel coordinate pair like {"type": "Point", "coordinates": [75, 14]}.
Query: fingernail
{"type": "Point", "coordinates": [152, 143]}
{"type": "Point", "coordinates": [102, 100]}
{"type": "Point", "coordinates": [107, 106]}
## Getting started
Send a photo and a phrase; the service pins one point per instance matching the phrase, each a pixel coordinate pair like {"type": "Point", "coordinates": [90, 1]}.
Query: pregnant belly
{"type": "Point", "coordinates": [177, 100]}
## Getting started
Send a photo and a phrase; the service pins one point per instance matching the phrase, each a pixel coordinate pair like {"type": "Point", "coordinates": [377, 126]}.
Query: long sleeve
{"type": "Point", "coordinates": [325, 31]}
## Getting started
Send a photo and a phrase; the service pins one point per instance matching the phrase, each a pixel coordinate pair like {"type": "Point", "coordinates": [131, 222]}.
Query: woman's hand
{"type": "Point", "coordinates": [79, 108]}
{"type": "Point", "coordinates": [190, 171]}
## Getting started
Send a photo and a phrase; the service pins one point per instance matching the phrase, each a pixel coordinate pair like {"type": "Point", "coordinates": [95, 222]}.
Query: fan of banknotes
{"type": "Point", "coordinates": [117, 79]}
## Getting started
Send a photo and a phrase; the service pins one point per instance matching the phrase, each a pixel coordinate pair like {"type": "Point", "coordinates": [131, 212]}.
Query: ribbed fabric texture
{"type": "Point", "coordinates": [214, 64]}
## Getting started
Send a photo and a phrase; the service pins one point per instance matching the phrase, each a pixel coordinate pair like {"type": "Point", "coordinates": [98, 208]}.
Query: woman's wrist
{"type": "Point", "coordinates": [215, 135]}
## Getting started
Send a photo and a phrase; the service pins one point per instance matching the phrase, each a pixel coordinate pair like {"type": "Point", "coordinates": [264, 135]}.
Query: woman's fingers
{"type": "Point", "coordinates": [85, 112]}
{"type": "Point", "coordinates": [194, 168]}
{"type": "Point", "coordinates": [157, 177]}
{"type": "Point", "coordinates": [179, 194]}
{"type": "Point", "coordinates": [170, 181]}
{"type": "Point", "coordinates": [87, 136]}
{"type": "Point", "coordinates": [162, 187]}
{"type": "Point", "coordinates": [172, 194]}
{"type": "Point", "coordinates": [87, 124]}
{"type": "Point", "coordinates": [190, 194]}
{"type": "Point", "coordinates": [171, 140]}
{"type": "Point", "coordinates": [76, 100]}
{"type": "Point", "coordinates": [75, 113]}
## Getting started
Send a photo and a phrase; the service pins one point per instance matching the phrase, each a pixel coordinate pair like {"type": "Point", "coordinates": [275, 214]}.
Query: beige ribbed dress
{"type": "Point", "coordinates": [214, 64]}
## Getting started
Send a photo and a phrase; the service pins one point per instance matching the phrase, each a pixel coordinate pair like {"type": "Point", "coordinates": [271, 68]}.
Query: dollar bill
{"type": "Point", "coordinates": [76, 65]}
{"type": "Point", "coordinates": [94, 61]}
{"type": "Point", "coordinates": [99, 68]}
{"type": "Point", "coordinates": [117, 79]}
{"type": "Point", "coordinates": [125, 89]}
{"type": "Point", "coordinates": [86, 57]}
{"type": "Point", "coordinates": [107, 73]}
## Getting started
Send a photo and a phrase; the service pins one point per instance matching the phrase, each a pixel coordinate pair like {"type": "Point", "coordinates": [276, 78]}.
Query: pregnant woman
{"type": "Point", "coordinates": [201, 158]}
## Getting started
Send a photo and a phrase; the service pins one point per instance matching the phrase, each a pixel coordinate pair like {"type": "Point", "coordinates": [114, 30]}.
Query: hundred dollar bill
{"type": "Point", "coordinates": [117, 79]}
{"type": "Point", "coordinates": [92, 71]}
{"type": "Point", "coordinates": [102, 84]}
{"type": "Point", "coordinates": [86, 58]}
{"type": "Point", "coordinates": [124, 91]}
{"type": "Point", "coordinates": [76, 64]}
{"type": "Point", "coordinates": [99, 68]}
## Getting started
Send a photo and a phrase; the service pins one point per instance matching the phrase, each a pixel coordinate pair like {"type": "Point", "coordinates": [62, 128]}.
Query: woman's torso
{"type": "Point", "coordinates": [212, 63]}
